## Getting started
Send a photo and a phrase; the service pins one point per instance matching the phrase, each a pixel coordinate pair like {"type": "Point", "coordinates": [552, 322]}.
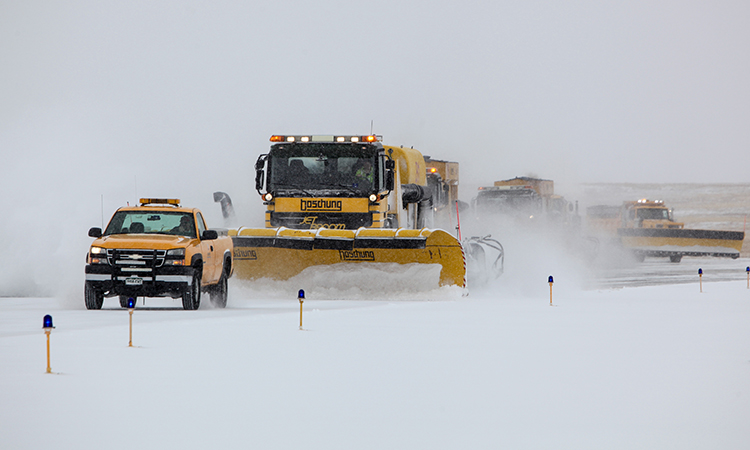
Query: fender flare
{"type": "Point", "coordinates": [227, 257]}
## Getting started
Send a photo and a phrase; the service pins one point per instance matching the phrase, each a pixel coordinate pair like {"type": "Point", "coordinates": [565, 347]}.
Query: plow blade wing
{"type": "Point", "coordinates": [281, 253]}
{"type": "Point", "coordinates": [682, 242]}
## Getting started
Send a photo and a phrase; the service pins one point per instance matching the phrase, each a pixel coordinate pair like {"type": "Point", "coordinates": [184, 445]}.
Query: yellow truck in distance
{"type": "Point", "coordinates": [158, 249]}
{"type": "Point", "coordinates": [647, 228]}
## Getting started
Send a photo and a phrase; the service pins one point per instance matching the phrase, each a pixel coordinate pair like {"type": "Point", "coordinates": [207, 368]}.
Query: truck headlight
{"type": "Point", "coordinates": [175, 257]}
{"type": "Point", "coordinates": [98, 255]}
{"type": "Point", "coordinates": [176, 252]}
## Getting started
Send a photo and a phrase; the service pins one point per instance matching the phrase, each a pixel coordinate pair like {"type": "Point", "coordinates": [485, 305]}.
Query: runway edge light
{"type": "Point", "coordinates": [550, 280]}
{"type": "Point", "coordinates": [301, 298]}
{"type": "Point", "coordinates": [47, 323]}
{"type": "Point", "coordinates": [47, 327]}
{"type": "Point", "coordinates": [131, 307]}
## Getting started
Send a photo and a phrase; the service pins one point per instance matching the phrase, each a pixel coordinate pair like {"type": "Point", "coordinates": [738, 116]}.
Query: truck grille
{"type": "Point", "coordinates": [136, 260]}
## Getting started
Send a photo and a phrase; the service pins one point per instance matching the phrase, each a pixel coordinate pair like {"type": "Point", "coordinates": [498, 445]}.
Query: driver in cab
{"type": "Point", "coordinates": [185, 228]}
{"type": "Point", "coordinates": [364, 173]}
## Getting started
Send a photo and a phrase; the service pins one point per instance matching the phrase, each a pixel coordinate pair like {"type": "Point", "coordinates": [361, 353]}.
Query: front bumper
{"type": "Point", "coordinates": [160, 282]}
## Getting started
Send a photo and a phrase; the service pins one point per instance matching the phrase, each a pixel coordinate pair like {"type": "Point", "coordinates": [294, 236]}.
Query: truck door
{"type": "Point", "coordinates": [209, 255]}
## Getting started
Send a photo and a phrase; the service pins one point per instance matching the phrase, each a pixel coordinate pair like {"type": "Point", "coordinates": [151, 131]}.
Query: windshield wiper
{"type": "Point", "coordinates": [350, 189]}
{"type": "Point", "coordinates": [294, 186]}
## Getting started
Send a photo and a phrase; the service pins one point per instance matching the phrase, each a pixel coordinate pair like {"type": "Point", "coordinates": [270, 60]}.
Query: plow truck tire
{"type": "Point", "coordinates": [191, 298]}
{"type": "Point", "coordinates": [219, 292]}
{"type": "Point", "coordinates": [93, 298]}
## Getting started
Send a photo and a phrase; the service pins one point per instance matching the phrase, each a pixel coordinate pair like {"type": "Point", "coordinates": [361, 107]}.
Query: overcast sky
{"type": "Point", "coordinates": [102, 102]}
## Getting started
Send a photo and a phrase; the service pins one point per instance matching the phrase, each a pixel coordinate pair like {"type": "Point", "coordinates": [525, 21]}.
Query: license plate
{"type": "Point", "coordinates": [133, 281]}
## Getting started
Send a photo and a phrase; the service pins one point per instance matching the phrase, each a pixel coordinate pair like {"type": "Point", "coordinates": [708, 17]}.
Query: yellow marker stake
{"type": "Point", "coordinates": [700, 278]}
{"type": "Point", "coordinates": [130, 340]}
{"type": "Point", "coordinates": [550, 280]}
{"type": "Point", "coordinates": [301, 298]}
{"type": "Point", "coordinates": [47, 327]}
{"type": "Point", "coordinates": [131, 307]}
{"type": "Point", "coordinates": [748, 277]}
{"type": "Point", "coordinates": [49, 369]}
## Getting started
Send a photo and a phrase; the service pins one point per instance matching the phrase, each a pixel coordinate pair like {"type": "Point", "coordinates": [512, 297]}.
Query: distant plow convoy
{"type": "Point", "coordinates": [349, 202]}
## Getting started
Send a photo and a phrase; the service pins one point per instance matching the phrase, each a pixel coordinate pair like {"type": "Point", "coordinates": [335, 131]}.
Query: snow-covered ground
{"type": "Point", "coordinates": [649, 367]}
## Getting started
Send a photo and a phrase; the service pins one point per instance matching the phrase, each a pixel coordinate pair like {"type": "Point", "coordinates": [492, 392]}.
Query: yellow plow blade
{"type": "Point", "coordinates": [281, 253]}
{"type": "Point", "coordinates": [687, 242]}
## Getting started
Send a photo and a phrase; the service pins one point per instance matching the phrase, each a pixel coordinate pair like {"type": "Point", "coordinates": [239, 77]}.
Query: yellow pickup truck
{"type": "Point", "coordinates": [158, 249]}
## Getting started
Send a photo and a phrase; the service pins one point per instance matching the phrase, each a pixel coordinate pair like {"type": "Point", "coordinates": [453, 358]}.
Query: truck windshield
{"type": "Point", "coordinates": [341, 169]}
{"type": "Point", "coordinates": [156, 222]}
{"type": "Point", "coordinates": [509, 200]}
{"type": "Point", "coordinates": [653, 214]}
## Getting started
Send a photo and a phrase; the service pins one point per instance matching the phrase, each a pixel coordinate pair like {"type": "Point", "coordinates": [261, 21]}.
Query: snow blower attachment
{"type": "Point", "coordinates": [227, 210]}
{"type": "Point", "coordinates": [485, 258]}
{"type": "Point", "coordinates": [343, 200]}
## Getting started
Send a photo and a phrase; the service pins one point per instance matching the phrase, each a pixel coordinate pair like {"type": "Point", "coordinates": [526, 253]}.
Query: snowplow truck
{"type": "Point", "coordinates": [647, 228]}
{"type": "Point", "coordinates": [343, 200]}
{"type": "Point", "coordinates": [524, 198]}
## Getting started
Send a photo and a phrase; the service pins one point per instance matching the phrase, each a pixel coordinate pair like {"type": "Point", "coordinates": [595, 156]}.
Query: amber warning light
{"type": "Point", "coordinates": [325, 138]}
{"type": "Point", "coordinates": [161, 201]}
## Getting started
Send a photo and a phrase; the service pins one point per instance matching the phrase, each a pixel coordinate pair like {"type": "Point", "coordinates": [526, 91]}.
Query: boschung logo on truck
{"type": "Point", "coordinates": [245, 254]}
{"type": "Point", "coordinates": [320, 205]}
{"type": "Point", "coordinates": [357, 255]}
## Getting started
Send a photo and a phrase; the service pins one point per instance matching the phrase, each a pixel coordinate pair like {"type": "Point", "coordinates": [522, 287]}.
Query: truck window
{"type": "Point", "coordinates": [151, 222]}
{"type": "Point", "coordinates": [201, 224]}
{"type": "Point", "coordinates": [653, 214]}
{"type": "Point", "coordinates": [337, 168]}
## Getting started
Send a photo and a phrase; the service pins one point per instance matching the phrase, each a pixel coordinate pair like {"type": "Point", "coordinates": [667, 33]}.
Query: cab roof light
{"type": "Point", "coordinates": [326, 138]}
{"type": "Point", "coordinates": [160, 201]}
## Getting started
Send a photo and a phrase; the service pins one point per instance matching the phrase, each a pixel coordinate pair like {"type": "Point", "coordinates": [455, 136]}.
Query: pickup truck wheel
{"type": "Point", "coordinates": [219, 293]}
{"type": "Point", "coordinates": [94, 299]}
{"type": "Point", "coordinates": [191, 298]}
{"type": "Point", "coordinates": [675, 258]}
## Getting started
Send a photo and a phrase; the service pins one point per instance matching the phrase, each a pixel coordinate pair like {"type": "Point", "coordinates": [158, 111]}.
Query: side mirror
{"type": "Point", "coordinates": [95, 232]}
{"type": "Point", "coordinates": [209, 235]}
{"type": "Point", "coordinates": [390, 164]}
{"type": "Point", "coordinates": [259, 172]}
{"type": "Point", "coordinates": [389, 180]}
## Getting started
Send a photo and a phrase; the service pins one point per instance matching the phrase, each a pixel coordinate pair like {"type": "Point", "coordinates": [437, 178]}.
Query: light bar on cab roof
{"type": "Point", "coordinates": [325, 138]}
{"type": "Point", "coordinates": [504, 188]}
{"type": "Point", "coordinates": [160, 201]}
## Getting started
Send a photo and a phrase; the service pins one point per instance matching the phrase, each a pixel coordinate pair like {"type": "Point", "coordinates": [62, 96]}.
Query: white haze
{"type": "Point", "coordinates": [103, 102]}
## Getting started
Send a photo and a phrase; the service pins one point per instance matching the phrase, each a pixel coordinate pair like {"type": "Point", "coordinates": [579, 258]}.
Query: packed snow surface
{"type": "Point", "coordinates": [648, 367]}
